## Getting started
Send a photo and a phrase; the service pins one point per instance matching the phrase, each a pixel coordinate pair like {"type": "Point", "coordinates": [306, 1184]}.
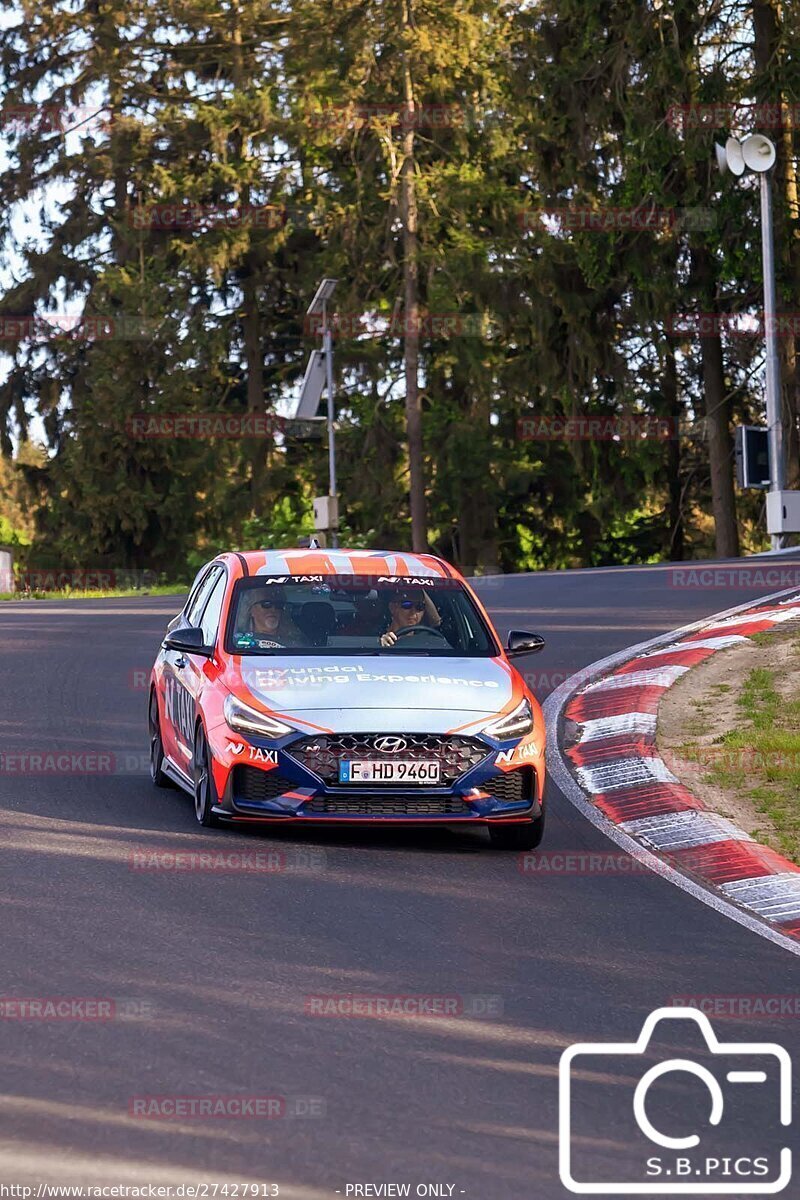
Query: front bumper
{"type": "Point", "coordinates": [284, 789]}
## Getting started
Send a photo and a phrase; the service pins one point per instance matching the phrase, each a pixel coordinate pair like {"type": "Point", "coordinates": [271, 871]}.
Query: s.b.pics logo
{"type": "Point", "coordinates": [710, 1121]}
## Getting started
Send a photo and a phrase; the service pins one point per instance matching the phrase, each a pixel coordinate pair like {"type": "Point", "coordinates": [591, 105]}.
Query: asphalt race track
{"type": "Point", "coordinates": [210, 972]}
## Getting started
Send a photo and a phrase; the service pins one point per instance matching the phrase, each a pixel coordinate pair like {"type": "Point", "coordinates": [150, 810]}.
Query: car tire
{"type": "Point", "coordinates": [157, 775]}
{"type": "Point", "coordinates": [205, 790]}
{"type": "Point", "coordinates": [525, 836]}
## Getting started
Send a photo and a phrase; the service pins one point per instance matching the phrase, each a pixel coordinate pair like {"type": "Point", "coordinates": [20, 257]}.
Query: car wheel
{"type": "Point", "coordinates": [525, 836]}
{"type": "Point", "coordinates": [205, 791]}
{"type": "Point", "coordinates": [156, 746]}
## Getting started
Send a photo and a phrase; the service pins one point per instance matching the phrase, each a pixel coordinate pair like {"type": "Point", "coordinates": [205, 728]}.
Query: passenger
{"type": "Point", "coordinates": [271, 625]}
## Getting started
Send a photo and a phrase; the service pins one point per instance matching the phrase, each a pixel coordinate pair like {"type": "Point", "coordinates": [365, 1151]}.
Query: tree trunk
{"type": "Point", "coordinates": [254, 366]}
{"type": "Point", "coordinates": [673, 409]}
{"type": "Point", "coordinates": [703, 288]}
{"type": "Point", "coordinates": [477, 535]}
{"type": "Point", "coordinates": [716, 413]}
{"type": "Point", "coordinates": [248, 279]}
{"type": "Point", "coordinates": [419, 530]}
{"type": "Point", "coordinates": [470, 457]}
{"type": "Point", "coordinates": [720, 449]}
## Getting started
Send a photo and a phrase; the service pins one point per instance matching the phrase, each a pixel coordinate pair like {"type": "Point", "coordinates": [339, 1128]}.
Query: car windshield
{"type": "Point", "coordinates": [351, 614]}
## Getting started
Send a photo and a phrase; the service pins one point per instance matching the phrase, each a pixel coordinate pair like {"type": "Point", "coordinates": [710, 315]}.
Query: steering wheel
{"type": "Point", "coordinates": [409, 629]}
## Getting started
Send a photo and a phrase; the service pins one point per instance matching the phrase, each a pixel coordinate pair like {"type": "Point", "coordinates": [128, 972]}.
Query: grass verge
{"type": "Point", "coordinates": [165, 589]}
{"type": "Point", "coordinates": [757, 757]}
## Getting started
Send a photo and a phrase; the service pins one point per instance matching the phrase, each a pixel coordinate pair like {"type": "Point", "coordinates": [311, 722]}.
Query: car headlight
{"type": "Point", "coordinates": [248, 720]}
{"type": "Point", "coordinates": [513, 724]}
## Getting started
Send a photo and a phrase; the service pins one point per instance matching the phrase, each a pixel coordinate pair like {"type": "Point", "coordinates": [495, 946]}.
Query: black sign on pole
{"type": "Point", "coordinates": [752, 456]}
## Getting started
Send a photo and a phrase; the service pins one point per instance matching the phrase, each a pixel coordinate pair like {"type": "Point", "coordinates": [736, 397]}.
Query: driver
{"type": "Point", "coordinates": [270, 625]}
{"type": "Point", "coordinates": [407, 609]}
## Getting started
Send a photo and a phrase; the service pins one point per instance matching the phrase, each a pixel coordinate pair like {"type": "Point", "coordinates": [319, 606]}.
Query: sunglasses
{"type": "Point", "coordinates": [416, 605]}
{"type": "Point", "coordinates": [268, 604]}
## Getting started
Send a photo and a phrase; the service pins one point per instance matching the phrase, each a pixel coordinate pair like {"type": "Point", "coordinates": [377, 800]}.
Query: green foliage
{"type": "Point", "coordinates": [9, 536]}
{"type": "Point", "coordinates": [243, 104]}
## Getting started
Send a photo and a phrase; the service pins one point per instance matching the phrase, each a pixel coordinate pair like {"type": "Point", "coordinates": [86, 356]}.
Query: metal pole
{"type": "Point", "coordinates": [327, 345]}
{"type": "Point", "coordinates": [773, 369]}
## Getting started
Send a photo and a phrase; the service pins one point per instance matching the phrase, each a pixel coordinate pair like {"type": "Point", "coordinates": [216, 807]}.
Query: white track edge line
{"type": "Point", "coordinates": [557, 768]}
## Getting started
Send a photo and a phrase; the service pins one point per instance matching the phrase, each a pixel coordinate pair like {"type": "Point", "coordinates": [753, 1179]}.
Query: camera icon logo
{"type": "Point", "coordinates": [692, 1133]}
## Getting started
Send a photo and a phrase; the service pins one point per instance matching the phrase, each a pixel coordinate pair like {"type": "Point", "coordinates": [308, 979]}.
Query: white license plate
{"type": "Point", "coordinates": [401, 770]}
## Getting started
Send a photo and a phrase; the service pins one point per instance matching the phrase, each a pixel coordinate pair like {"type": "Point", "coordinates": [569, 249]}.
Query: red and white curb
{"type": "Point", "coordinates": [612, 771]}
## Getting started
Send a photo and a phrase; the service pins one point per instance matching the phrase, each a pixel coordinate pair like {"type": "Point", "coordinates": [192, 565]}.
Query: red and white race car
{"type": "Point", "coordinates": [359, 686]}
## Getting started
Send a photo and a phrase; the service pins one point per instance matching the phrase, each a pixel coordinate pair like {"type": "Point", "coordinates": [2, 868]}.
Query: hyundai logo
{"type": "Point", "coordinates": [391, 745]}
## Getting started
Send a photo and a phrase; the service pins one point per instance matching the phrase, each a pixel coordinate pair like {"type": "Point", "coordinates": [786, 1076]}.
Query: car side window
{"type": "Point", "coordinates": [197, 604]}
{"type": "Point", "coordinates": [192, 593]}
{"type": "Point", "coordinates": [209, 622]}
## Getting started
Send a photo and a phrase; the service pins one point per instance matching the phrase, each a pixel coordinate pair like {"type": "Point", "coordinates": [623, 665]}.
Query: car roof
{"type": "Point", "coordinates": [347, 562]}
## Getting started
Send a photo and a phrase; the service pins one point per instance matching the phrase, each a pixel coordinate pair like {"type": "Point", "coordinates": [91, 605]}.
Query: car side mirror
{"type": "Point", "coordinates": [520, 642]}
{"type": "Point", "coordinates": [188, 640]}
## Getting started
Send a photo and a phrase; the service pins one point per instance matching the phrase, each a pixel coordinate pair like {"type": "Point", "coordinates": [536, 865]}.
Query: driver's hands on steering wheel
{"type": "Point", "coordinates": [390, 638]}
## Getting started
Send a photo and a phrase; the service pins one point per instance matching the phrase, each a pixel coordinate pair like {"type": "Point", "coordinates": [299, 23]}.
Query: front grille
{"type": "Point", "coordinates": [388, 806]}
{"type": "Point", "coordinates": [455, 755]}
{"type": "Point", "coordinates": [253, 786]}
{"type": "Point", "coordinates": [509, 786]}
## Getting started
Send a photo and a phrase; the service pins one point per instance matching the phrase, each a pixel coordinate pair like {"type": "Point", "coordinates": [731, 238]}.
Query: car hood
{"type": "Point", "coordinates": [370, 688]}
